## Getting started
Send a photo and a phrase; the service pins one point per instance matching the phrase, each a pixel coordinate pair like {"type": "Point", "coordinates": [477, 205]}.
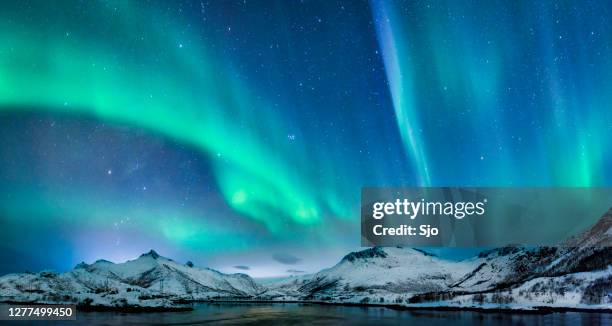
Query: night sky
{"type": "Point", "coordinates": [238, 135]}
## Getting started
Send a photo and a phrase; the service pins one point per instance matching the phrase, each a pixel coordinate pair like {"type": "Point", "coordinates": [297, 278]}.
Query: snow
{"type": "Point", "coordinates": [403, 269]}
{"type": "Point", "coordinates": [374, 276]}
{"type": "Point", "coordinates": [574, 275]}
{"type": "Point", "coordinates": [148, 281]}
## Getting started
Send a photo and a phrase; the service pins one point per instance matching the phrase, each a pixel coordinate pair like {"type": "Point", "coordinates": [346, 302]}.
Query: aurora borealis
{"type": "Point", "coordinates": [230, 133]}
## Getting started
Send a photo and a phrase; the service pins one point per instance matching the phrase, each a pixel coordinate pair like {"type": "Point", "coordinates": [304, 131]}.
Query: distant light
{"type": "Point", "coordinates": [239, 197]}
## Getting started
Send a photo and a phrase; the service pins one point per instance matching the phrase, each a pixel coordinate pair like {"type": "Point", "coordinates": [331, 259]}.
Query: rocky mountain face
{"type": "Point", "coordinates": [509, 266]}
{"type": "Point", "coordinates": [577, 273]}
{"type": "Point", "coordinates": [150, 280]}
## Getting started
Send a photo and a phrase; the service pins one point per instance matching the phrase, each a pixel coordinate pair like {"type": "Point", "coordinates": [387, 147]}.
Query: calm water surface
{"type": "Point", "coordinates": [305, 314]}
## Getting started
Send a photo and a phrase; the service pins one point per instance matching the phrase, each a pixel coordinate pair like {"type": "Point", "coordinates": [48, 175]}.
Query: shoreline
{"type": "Point", "coordinates": [188, 306]}
{"type": "Point", "coordinates": [535, 310]}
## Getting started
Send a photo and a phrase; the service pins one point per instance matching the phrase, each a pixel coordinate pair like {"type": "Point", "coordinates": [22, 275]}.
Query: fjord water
{"type": "Point", "coordinates": [309, 314]}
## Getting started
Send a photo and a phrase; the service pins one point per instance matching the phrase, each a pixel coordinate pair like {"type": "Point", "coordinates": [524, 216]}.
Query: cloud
{"type": "Point", "coordinates": [286, 259]}
{"type": "Point", "coordinates": [295, 271]}
{"type": "Point", "coordinates": [242, 267]}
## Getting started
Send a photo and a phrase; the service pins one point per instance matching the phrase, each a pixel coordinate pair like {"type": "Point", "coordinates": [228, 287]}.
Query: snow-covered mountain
{"type": "Point", "coordinates": [576, 274]}
{"type": "Point", "coordinates": [150, 280]}
{"type": "Point", "coordinates": [510, 266]}
{"type": "Point", "coordinates": [401, 271]}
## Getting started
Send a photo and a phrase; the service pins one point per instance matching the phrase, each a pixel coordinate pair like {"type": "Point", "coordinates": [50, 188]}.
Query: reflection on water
{"type": "Point", "coordinates": [307, 314]}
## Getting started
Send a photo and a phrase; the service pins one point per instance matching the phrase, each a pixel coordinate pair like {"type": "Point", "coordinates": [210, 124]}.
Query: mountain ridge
{"type": "Point", "coordinates": [576, 274]}
{"type": "Point", "coordinates": [150, 280]}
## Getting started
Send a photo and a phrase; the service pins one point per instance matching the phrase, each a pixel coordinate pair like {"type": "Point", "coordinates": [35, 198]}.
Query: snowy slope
{"type": "Point", "coordinates": [509, 266]}
{"type": "Point", "coordinates": [390, 270]}
{"type": "Point", "coordinates": [585, 290]}
{"type": "Point", "coordinates": [149, 280]}
{"type": "Point", "coordinates": [505, 266]}
{"type": "Point", "coordinates": [577, 273]}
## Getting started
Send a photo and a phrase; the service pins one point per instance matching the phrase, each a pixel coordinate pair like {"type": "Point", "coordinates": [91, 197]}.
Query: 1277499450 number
{"type": "Point", "coordinates": [37, 312]}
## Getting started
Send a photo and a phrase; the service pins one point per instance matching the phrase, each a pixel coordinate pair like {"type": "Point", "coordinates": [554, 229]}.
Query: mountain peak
{"type": "Point", "coordinates": [152, 253]}
{"type": "Point", "coordinates": [384, 252]}
{"type": "Point", "coordinates": [375, 252]}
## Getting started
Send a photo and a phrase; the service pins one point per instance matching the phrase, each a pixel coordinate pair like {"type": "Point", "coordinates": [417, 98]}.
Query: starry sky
{"type": "Point", "coordinates": [238, 134]}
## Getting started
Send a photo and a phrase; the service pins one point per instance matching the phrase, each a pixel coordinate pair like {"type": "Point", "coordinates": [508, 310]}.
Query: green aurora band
{"type": "Point", "coordinates": [468, 61]}
{"type": "Point", "coordinates": [180, 93]}
{"type": "Point", "coordinates": [485, 94]}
